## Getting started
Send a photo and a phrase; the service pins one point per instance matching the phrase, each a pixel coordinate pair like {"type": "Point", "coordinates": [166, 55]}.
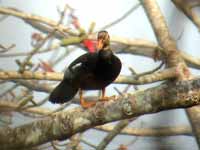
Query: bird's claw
{"type": "Point", "coordinates": [87, 104]}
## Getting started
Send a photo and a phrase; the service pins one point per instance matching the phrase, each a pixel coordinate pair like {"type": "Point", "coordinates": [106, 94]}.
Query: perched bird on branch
{"type": "Point", "coordinates": [91, 71]}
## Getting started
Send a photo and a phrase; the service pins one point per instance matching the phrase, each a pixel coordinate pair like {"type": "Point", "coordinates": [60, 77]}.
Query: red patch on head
{"type": "Point", "coordinates": [90, 45]}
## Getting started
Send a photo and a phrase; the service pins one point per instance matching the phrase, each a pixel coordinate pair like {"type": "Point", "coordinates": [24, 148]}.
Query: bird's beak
{"type": "Point", "coordinates": [99, 44]}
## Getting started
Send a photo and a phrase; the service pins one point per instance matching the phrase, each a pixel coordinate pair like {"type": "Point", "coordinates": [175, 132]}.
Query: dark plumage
{"type": "Point", "coordinates": [91, 71]}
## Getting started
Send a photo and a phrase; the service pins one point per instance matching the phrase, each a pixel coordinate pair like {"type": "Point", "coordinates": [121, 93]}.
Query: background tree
{"type": "Point", "coordinates": [27, 121]}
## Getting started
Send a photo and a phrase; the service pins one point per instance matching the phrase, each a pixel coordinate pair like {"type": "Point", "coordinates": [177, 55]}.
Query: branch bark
{"type": "Point", "coordinates": [62, 125]}
{"type": "Point", "coordinates": [158, 131]}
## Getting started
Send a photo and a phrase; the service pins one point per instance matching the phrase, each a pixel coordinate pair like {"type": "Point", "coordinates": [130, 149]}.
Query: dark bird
{"type": "Point", "coordinates": [91, 71]}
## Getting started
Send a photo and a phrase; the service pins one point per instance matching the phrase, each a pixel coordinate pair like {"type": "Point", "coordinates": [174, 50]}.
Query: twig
{"type": "Point", "coordinates": [88, 143]}
{"type": "Point", "coordinates": [33, 52]}
{"type": "Point", "coordinates": [37, 48]}
{"type": "Point", "coordinates": [155, 132]}
{"type": "Point", "coordinates": [9, 90]}
{"type": "Point", "coordinates": [30, 17]}
{"type": "Point", "coordinates": [54, 146]}
{"type": "Point", "coordinates": [125, 15]}
{"type": "Point", "coordinates": [148, 72]}
{"type": "Point", "coordinates": [24, 101]}
{"type": "Point", "coordinates": [49, 49]}
{"type": "Point", "coordinates": [6, 49]}
{"type": "Point", "coordinates": [32, 85]}
{"type": "Point", "coordinates": [12, 106]}
{"type": "Point", "coordinates": [74, 143]}
{"type": "Point", "coordinates": [38, 103]}
{"type": "Point", "coordinates": [120, 126]}
{"type": "Point", "coordinates": [63, 106]}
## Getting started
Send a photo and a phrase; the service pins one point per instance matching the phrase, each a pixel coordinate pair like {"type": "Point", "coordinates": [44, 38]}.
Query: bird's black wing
{"type": "Point", "coordinates": [87, 61]}
{"type": "Point", "coordinates": [82, 65]}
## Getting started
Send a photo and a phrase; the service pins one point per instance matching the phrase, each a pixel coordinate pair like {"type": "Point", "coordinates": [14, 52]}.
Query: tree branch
{"type": "Point", "coordinates": [162, 34]}
{"type": "Point", "coordinates": [112, 134]}
{"type": "Point", "coordinates": [35, 18]}
{"type": "Point", "coordinates": [158, 131]}
{"type": "Point", "coordinates": [187, 10]}
{"type": "Point", "coordinates": [11, 106]}
{"type": "Point", "coordinates": [62, 125]}
{"type": "Point", "coordinates": [122, 79]}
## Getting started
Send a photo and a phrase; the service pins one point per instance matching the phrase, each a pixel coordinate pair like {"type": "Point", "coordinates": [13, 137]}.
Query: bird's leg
{"type": "Point", "coordinates": [103, 97]}
{"type": "Point", "coordinates": [85, 104]}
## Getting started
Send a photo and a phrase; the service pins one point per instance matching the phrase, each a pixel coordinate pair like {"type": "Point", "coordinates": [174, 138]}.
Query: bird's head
{"type": "Point", "coordinates": [103, 40]}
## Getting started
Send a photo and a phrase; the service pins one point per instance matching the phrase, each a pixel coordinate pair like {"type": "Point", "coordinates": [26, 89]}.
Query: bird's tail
{"type": "Point", "coordinates": [63, 92]}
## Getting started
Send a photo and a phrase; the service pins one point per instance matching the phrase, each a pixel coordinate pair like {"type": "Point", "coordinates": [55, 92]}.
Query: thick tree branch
{"type": "Point", "coordinates": [158, 131]}
{"type": "Point", "coordinates": [64, 124]}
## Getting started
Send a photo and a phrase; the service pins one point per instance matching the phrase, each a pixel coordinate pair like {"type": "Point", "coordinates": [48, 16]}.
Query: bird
{"type": "Point", "coordinates": [90, 71]}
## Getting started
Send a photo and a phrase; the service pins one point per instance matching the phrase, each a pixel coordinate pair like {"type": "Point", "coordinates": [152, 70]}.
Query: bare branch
{"type": "Point", "coordinates": [122, 79]}
{"type": "Point", "coordinates": [120, 126]}
{"type": "Point", "coordinates": [158, 131]}
{"type": "Point", "coordinates": [186, 9]}
{"type": "Point", "coordinates": [11, 106]}
{"type": "Point", "coordinates": [133, 8]}
{"type": "Point", "coordinates": [35, 18]}
{"type": "Point", "coordinates": [162, 34]}
{"type": "Point", "coordinates": [49, 49]}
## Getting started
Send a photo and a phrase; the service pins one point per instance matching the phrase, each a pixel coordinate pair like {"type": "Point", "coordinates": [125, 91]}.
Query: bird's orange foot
{"type": "Point", "coordinates": [87, 104]}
